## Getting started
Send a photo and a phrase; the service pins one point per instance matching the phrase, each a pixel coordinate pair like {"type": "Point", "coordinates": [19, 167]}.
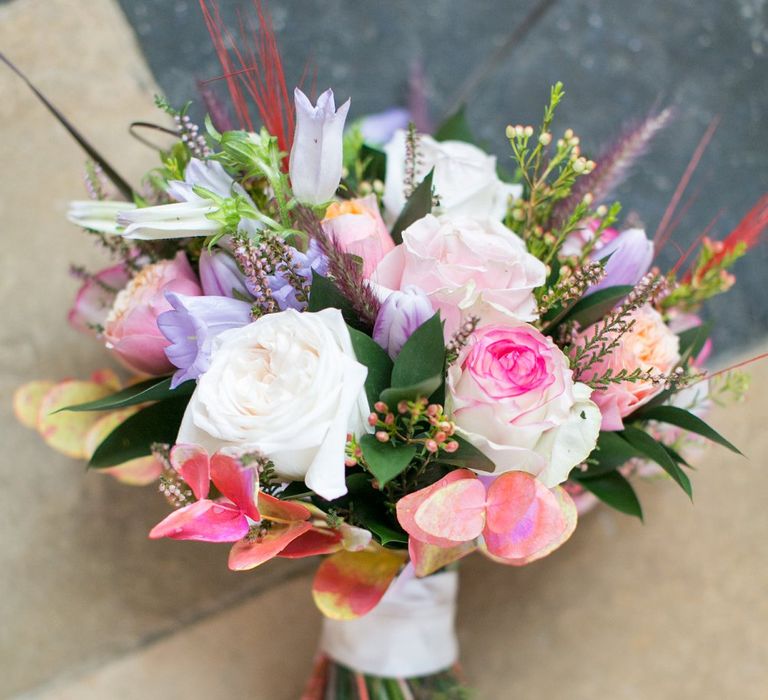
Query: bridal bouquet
{"type": "Point", "coordinates": [385, 348]}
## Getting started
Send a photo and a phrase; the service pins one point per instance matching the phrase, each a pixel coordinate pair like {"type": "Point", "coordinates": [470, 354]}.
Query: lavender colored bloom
{"type": "Point", "coordinates": [400, 315]}
{"type": "Point", "coordinates": [377, 129]}
{"type": "Point", "coordinates": [283, 291]}
{"type": "Point", "coordinates": [192, 325]}
{"type": "Point", "coordinates": [220, 276]}
{"type": "Point", "coordinates": [631, 256]}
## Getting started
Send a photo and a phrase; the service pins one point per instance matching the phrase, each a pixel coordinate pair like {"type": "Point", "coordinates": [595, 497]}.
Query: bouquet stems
{"type": "Point", "coordinates": [333, 681]}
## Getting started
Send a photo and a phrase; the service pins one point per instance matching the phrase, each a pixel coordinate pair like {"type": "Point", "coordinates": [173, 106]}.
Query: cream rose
{"type": "Point", "coordinates": [465, 178]}
{"type": "Point", "coordinates": [467, 267]}
{"type": "Point", "coordinates": [289, 385]}
{"type": "Point", "coordinates": [512, 395]}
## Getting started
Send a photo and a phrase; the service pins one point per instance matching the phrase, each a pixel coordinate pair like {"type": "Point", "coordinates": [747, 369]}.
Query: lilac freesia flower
{"type": "Point", "coordinates": [631, 254]}
{"type": "Point", "coordinates": [192, 325]}
{"type": "Point", "coordinates": [316, 156]}
{"type": "Point", "coordinates": [399, 316]}
{"type": "Point", "coordinates": [221, 277]}
{"type": "Point", "coordinates": [379, 128]}
{"type": "Point", "coordinates": [283, 291]}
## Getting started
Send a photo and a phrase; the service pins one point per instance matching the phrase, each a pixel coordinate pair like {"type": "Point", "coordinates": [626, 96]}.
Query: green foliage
{"type": "Point", "coordinates": [455, 128]}
{"type": "Point", "coordinates": [592, 308]}
{"type": "Point", "coordinates": [423, 355]}
{"type": "Point", "coordinates": [386, 460]}
{"type": "Point", "coordinates": [467, 456]}
{"type": "Point", "coordinates": [143, 392]}
{"type": "Point", "coordinates": [686, 420]}
{"type": "Point", "coordinates": [379, 364]}
{"type": "Point", "coordinates": [613, 489]}
{"type": "Point", "coordinates": [366, 506]}
{"type": "Point", "coordinates": [158, 423]}
{"type": "Point", "coordinates": [610, 453]}
{"type": "Point", "coordinates": [324, 294]}
{"type": "Point", "coordinates": [655, 451]}
{"type": "Point", "coordinates": [419, 204]}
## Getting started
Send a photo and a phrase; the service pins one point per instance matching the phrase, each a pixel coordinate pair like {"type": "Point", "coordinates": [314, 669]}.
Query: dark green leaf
{"type": "Point", "coordinates": [419, 204]}
{"type": "Point", "coordinates": [686, 420]}
{"type": "Point", "coordinates": [611, 452]}
{"type": "Point", "coordinates": [133, 438]}
{"type": "Point", "coordinates": [455, 127]}
{"type": "Point", "coordinates": [143, 392]}
{"type": "Point", "coordinates": [423, 355]}
{"type": "Point", "coordinates": [467, 456]}
{"type": "Point", "coordinates": [386, 461]}
{"type": "Point", "coordinates": [692, 341]}
{"type": "Point", "coordinates": [369, 510]}
{"type": "Point", "coordinates": [373, 356]}
{"type": "Point", "coordinates": [425, 389]}
{"type": "Point", "coordinates": [324, 294]}
{"type": "Point", "coordinates": [616, 491]}
{"type": "Point", "coordinates": [375, 161]}
{"type": "Point", "coordinates": [655, 451]}
{"type": "Point", "coordinates": [592, 308]}
{"type": "Point", "coordinates": [296, 490]}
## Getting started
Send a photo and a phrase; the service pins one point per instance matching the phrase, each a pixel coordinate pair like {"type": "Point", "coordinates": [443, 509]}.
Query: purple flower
{"type": "Point", "coordinates": [191, 327]}
{"type": "Point", "coordinates": [221, 277]}
{"type": "Point", "coordinates": [379, 128]}
{"type": "Point", "coordinates": [400, 315]}
{"type": "Point", "coordinates": [631, 256]}
{"type": "Point", "coordinates": [283, 290]}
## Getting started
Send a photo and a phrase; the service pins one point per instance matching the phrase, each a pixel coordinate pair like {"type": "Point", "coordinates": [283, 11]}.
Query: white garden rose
{"type": "Point", "coordinates": [288, 385]}
{"type": "Point", "coordinates": [464, 180]}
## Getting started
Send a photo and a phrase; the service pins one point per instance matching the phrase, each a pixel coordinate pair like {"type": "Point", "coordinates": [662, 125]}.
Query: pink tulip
{"type": "Point", "coordinates": [131, 329]}
{"type": "Point", "coordinates": [357, 227]}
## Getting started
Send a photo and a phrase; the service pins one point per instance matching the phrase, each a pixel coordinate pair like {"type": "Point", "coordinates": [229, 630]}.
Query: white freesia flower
{"type": "Point", "coordinates": [190, 216]}
{"type": "Point", "coordinates": [464, 180]}
{"type": "Point", "coordinates": [97, 215]}
{"type": "Point", "coordinates": [288, 385]}
{"type": "Point", "coordinates": [316, 156]}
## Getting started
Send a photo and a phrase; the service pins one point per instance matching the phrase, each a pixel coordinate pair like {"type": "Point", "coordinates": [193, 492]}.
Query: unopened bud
{"type": "Point", "coordinates": [373, 419]}
{"type": "Point", "coordinates": [451, 446]}
{"type": "Point", "coordinates": [545, 138]}
{"type": "Point", "coordinates": [431, 446]}
{"type": "Point", "coordinates": [382, 436]}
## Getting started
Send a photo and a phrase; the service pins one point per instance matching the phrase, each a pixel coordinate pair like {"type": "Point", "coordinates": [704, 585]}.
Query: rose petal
{"type": "Point", "coordinates": [194, 465]}
{"type": "Point", "coordinates": [350, 584]}
{"type": "Point", "coordinates": [203, 521]}
{"type": "Point", "coordinates": [246, 555]}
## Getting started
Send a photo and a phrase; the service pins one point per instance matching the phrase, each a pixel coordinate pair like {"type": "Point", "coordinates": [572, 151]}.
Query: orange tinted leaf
{"type": "Point", "coordinates": [27, 399]}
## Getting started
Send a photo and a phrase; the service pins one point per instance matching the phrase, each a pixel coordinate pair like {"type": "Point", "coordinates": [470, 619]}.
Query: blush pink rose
{"type": "Point", "coordinates": [95, 298]}
{"type": "Point", "coordinates": [649, 345]}
{"type": "Point", "coordinates": [467, 267]}
{"type": "Point", "coordinates": [356, 225]}
{"type": "Point", "coordinates": [512, 395]}
{"type": "Point", "coordinates": [131, 328]}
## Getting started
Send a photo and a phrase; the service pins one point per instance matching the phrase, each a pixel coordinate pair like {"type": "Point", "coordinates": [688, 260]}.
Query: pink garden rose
{"type": "Point", "coordinates": [649, 345]}
{"type": "Point", "coordinates": [96, 297]}
{"type": "Point", "coordinates": [131, 328]}
{"type": "Point", "coordinates": [467, 267]}
{"type": "Point", "coordinates": [512, 395]}
{"type": "Point", "coordinates": [356, 225]}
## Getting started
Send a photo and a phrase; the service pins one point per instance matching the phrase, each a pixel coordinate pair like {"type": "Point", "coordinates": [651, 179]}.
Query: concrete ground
{"type": "Point", "coordinates": [89, 608]}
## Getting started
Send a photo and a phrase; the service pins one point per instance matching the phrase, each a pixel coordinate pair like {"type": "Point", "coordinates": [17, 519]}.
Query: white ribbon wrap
{"type": "Point", "coordinates": [409, 633]}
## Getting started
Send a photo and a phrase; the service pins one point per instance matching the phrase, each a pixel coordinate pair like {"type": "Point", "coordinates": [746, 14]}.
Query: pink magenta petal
{"type": "Point", "coordinates": [234, 482]}
{"type": "Point", "coordinates": [246, 555]}
{"type": "Point", "coordinates": [191, 461]}
{"type": "Point", "coordinates": [350, 584]}
{"type": "Point", "coordinates": [313, 542]}
{"type": "Point", "coordinates": [428, 558]}
{"type": "Point", "coordinates": [541, 528]}
{"type": "Point", "coordinates": [509, 498]}
{"type": "Point", "coordinates": [204, 521]}
{"type": "Point", "coordinates": [272, 508]}
{"type": "Point", "coordinates": [408, 506]}
{"type": "Point", "coordinates": [454, 512]}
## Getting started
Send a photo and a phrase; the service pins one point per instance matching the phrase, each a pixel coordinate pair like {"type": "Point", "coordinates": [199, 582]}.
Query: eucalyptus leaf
{"type": "Point", "coordinates": [419, 204]}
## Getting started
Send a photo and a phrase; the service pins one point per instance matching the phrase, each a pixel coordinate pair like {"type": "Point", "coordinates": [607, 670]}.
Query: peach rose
{"type": "Point", "coordinates": [356, 225]}
{"type": "Point", "coordinates": [651, 346]}
{"type": "Point", "coordinates": [131, 328]}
